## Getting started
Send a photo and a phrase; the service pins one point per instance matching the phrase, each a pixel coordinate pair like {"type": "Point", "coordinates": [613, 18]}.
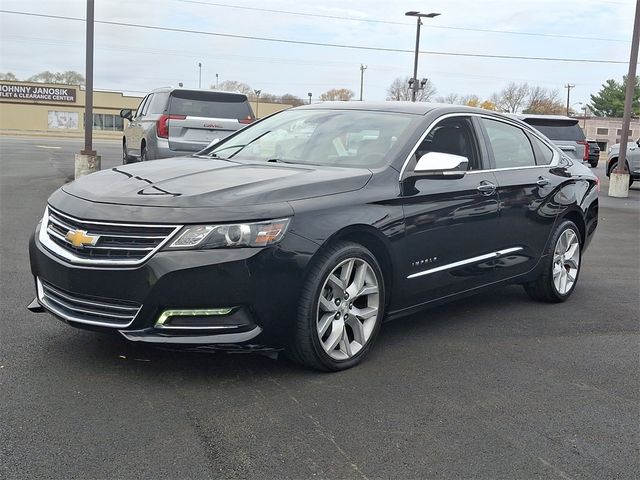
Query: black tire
{"type": "Point", "coordinates": [543, 289]}
{"type": "Point", "coordinates": [593, 163]}
{"type": "Point", "coordinates": [126, 159]}
{"type": "Point", "coordinates": [613, 166]}
{"type": "Point", "coordinates": [143, 153]}
{"type": "Point", "coordinates": [305, 347]}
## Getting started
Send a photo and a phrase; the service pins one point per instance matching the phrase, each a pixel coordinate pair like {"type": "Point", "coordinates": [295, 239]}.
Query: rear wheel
{"type": "Point", "coordinates": [126, 159]}
{"type": "Point", "coordinates": [561, 266]}
{"type": "Point", "coordinates": [340, 310]}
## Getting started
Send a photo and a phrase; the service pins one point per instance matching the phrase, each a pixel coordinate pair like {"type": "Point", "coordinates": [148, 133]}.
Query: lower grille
{"type": "Point", "coordinates": [106, 312]}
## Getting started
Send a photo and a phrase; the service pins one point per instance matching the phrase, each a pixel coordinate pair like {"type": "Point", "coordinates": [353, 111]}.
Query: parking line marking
{"type": "Point", "coordinates": [47, 146]}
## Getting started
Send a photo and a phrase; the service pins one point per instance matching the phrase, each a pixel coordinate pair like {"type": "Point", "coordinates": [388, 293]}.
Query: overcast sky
{"type": "Point", "coordinates": [137, 60]}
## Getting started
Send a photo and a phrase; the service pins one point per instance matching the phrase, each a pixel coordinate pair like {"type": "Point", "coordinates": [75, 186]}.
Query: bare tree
{"type": "Point", "coordinates": [235, 86]}
{"type": "Point", "coordinates": [69, 77]}
{"type": "Point", "coordinates": [544, 101]}
{"type": "Point", "coordinates": [399, 91]}
{"type": "Point", "coordinates": [452, 98]}
{"type": "Point", "coordinates": [512, 98]}
{"type": "Point", "coordinates": [291, 100]}
{"type": "Point", "coordinates": [343, 94]}
{"type": "Point", "coordinates": [8, 76]}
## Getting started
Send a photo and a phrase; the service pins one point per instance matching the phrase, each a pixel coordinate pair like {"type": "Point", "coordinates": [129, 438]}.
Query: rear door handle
{"type": "Point", "coordinates": [486, 188]}
{"type": "Point", "coordinates": [542, 181]}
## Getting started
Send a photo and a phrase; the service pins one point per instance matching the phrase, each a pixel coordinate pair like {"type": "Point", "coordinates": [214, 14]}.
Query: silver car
{"type": "Point", "coordinates": [633, 159]}
{"type": "Point", "coordinates": [174, 121]}
{"type": "Point", "coordinates": [565, 132]}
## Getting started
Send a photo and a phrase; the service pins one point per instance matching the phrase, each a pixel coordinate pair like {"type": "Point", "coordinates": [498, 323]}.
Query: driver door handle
{"type": "Point", "coordinates": [542, 181]}
{"type": "Point", "coordinates": [486, 188]}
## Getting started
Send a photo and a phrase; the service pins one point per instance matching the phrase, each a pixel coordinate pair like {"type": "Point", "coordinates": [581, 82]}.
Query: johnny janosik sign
{"type": "Point", "coordinates": [32, 92]}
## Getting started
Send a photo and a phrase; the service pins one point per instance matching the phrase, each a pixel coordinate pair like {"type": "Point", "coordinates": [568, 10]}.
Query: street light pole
{"type": "Point", "coordinates": [87, 161]}
{"type": "Point", "coordinates": [414, 83]}
{"type": "Point", "coordinates": [216, 81]}
{"type": "Point", "coordinates": [310, 95]}
{"type": "Point", "coordinates": [362, 69]}
{"type": "Point", "coordinates": [619, 179]}
{"type": "Point", "coordinates": [568, 86]}
{"type": "Point", "coordinates": [200, 75]}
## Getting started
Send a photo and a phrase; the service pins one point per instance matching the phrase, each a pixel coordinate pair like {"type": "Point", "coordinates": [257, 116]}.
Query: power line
{"type": "Point", "coordinates": [318, 44]}
{"type": "Point", "coordinates": [389, 22]}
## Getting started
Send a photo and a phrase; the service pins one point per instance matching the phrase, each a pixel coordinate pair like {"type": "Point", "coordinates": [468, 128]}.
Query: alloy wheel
{"type": "Point", "coordinates": [566, 261]}
{"type": "Point", "coordinates": [348, 308]}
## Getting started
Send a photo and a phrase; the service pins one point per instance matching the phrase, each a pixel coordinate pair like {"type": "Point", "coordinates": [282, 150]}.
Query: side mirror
{"type": "Point", "coordinates": [437, 165]}
{"type": "Point", "coordinates": [126, 113]}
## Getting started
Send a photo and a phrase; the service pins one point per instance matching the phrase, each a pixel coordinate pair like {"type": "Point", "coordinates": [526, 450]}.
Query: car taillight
{"type": "Point", "coordinates": [245, 120]}
{"type": "Point", "coordinates": [585, 157]}
{"type": "Point", "coordinates": [162, 125]}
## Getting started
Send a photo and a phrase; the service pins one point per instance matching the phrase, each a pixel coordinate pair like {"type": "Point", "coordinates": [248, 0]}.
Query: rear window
{"type": "Point", "coordinates": [558, 129]}
{"type": "Point", "coordinates": [210, 105]}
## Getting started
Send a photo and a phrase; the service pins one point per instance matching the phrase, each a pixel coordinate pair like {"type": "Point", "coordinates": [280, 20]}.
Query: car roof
{"type": "Point", "coordinates": [203, 90]}
{"type": "Point", "coordinates": [416, 108]}
{"type": "Point", "coordinates": [561, 119]}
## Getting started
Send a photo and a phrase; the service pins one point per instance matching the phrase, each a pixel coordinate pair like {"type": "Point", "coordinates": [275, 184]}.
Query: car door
{"type": "Point", "coordinates": [134, 132]}
{"type": "Point", "coordinates": [527, 184]}
{"type": "Point", "coordinates": [450, 223]}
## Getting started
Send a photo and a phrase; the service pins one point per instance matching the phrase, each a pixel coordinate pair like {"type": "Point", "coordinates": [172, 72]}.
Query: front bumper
{"type": "Point", "coordinates": [252, 291]}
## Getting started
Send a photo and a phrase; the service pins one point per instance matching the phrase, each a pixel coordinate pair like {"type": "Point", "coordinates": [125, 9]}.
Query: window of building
{"type": "Point", "coordinates": [602, 131]}
{"type": "Point", "coordinates": [107, 121]}
{"type": "Point", "coordinates": [619, 132]}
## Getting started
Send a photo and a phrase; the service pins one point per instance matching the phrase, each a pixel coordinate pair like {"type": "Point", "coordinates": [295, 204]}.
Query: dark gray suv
{"type": "Point", "coordinates": [174, 121]}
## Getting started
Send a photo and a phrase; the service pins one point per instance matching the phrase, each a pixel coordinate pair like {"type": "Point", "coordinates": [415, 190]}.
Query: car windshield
{"type": "Point", "coordinates": [346, 138]}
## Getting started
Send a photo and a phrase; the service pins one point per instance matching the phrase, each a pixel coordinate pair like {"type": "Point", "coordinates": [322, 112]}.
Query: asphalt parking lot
{"type": "Point", "coordinates": [490, 387]}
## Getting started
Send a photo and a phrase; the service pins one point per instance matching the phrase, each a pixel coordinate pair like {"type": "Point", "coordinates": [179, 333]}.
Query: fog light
{"type": "Point", "coordinates": [210, 318]}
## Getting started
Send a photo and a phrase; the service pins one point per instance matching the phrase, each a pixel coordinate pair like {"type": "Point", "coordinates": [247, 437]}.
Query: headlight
{"type": "Point", "coordinates": [259, 234]}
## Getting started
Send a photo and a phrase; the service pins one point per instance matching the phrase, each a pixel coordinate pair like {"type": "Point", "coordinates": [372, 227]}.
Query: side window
{"type": "Point", "coordinates": [138, 112]}
{"type": "Point", "coordinates": [157, 103]}
{"type": "Point", "coordinates": [454, 136]}
{"type": "Point", "coordinates": [145, 107]}
{"type": "Point", "coordinates": [544, 154]}
{"type": "Point", "coordinates": [510, 145]}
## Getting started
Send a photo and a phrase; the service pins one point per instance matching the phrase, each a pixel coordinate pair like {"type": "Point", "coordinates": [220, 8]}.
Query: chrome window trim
{"type": "Point", "coordinates": [467, 261]}
{"type": "Point", "coordinates": [54, 248]}
{"type": "Point", "coordinates": [554, 161]}
{"type": "Point", "coordinates": [72, 318]}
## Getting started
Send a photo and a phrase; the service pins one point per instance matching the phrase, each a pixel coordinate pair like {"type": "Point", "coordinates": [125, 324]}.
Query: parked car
{"type": "Point", "coordinates": [565, 132]}
{"type": "Point", "coordinates": [176, 121]}
{"type": "Point", "coordinates": [632, 161]}
{"type": "Point", "coordinates": [307, 229]}
{"type": "Point", "coordinates": [594, 153]}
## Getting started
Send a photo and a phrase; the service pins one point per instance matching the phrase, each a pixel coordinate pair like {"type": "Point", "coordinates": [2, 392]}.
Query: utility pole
{"type": "Point", "coordinates": [568, 86]}
{"type": "Point", "coordinates": [87, 161]}
{"type": "Point", "coordinates": [414, 81]}
{"type": "Point", "coordinates": [216, 81]}
{"type": "Point", "coordinates": [362, 69]}
{"type": "Point", "coordinates": [619, 179]}
{"type": "Point", "coordinates": [200, 75]}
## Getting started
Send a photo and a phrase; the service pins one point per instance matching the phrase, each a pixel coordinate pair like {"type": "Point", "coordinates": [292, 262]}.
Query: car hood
{"type": "Point", "coordinates": [198, 182]}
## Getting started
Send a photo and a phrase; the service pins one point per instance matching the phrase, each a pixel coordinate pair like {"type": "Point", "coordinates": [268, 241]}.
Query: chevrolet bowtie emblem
{"type": "Point", "coordinates": [80, 239]}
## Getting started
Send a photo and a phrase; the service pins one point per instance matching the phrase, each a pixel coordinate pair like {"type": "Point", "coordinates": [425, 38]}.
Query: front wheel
{"type": "Point", "coordinates": [143, 153]}
{"type": "Point", "coordinates": [341, 308]}
{"type": "Point", "coordinates": [126, 159]}
{"type": "Point", "coordinates": [561, 266]}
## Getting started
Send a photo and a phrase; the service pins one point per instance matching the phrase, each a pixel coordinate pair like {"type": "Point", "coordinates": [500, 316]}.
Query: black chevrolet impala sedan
{"type": "Point", "coordinates": [306, 230]}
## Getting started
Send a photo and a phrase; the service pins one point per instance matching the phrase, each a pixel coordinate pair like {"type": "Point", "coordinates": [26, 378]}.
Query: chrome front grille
{"type": "Point", "coordinates": [101, 243]}
{"type": "Point", "coordinates": [87, 309]}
